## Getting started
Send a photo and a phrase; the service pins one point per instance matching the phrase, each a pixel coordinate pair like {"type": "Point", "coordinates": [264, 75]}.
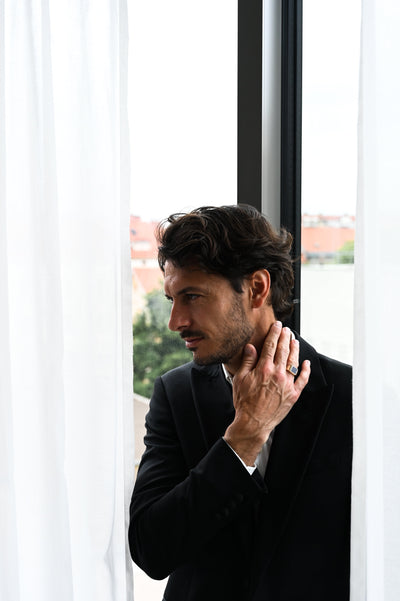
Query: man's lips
{"type": "Point", "coordinates": [192, 342]}
{"type": "Point", "coordinates": [192, 339]}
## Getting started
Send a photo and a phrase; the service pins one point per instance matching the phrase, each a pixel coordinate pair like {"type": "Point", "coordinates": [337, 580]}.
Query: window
{"type": "Point", "coordinates": [183, 129]}
{"type": "Point", "coordinates": [183, 132]}
{"type": "Point", "coordinates": [329, 174]}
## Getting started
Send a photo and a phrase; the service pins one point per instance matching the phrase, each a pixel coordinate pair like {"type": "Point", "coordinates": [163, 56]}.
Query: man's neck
{"type": "Point", "coordinates": [257, 340]}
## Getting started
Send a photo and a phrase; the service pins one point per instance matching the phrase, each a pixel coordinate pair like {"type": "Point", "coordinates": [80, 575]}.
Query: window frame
{"type": "Point", "coordinates": [250, 50]}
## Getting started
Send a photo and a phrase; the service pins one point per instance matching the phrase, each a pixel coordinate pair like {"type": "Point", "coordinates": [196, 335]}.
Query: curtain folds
{"type": "Point", "coordinates": [376, 481]}
{"type": "Point", "coordinates": [66, 425]}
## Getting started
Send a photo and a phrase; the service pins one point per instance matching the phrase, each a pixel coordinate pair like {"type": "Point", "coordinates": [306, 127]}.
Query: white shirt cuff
{"type": "Point", "coordinates": [249, 468]}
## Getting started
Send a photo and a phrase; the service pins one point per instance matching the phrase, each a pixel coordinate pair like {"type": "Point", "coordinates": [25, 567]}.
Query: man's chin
{"type": "Point", "coordinates": [209, 359]}
{"type": "Point", "coordinates": [202, 361]}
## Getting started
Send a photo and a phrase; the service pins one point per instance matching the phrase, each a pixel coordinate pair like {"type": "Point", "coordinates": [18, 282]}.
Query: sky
{"type": "Point", "coordinates": [182, 105]}
{"type": "Point", "coordinates": [331, 42]}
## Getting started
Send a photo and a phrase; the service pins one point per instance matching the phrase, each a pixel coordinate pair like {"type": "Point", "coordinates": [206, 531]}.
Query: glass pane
{"type": "Point", "coordinates": [183, 95]}
{"type": "Point", "coordinates": [329, 173]}
{"type": "Point", "coordinates": [183, 132]}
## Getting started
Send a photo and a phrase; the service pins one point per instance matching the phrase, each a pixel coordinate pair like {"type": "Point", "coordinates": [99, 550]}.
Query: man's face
{"type": "Point", "coordinates": [208, 314]}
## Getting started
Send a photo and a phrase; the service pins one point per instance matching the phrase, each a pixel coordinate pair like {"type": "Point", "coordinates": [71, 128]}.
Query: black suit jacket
{"type": "Point", "coordinates": [223, 535]}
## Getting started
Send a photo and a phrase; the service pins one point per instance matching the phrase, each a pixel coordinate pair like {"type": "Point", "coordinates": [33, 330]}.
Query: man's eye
{"type": "Point", "coordinates": [192, 296]}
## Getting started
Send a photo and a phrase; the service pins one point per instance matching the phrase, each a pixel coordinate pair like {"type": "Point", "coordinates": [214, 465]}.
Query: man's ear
{"type": "Point", "coordinates": [260, 285]}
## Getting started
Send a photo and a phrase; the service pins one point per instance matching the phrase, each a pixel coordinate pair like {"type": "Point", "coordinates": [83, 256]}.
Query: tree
{"type": "Point", "coordinates": [156, 349]}
{"type": "Point", "coordinates": [345, 254]}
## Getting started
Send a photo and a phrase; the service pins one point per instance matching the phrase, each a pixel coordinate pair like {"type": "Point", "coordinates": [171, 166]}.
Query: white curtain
{"type": "Point", "coordinates": [376, 474]}
{"type": "Point", "coordinates": [66, 448]}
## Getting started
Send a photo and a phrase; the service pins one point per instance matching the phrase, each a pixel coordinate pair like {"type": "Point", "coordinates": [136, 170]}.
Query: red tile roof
{"type": "Point", "coordinates": [324, 239]}
{"type": "Point", "coordinates": [146, 274]}
{"type": "Point", "coordinates": [143, 242]}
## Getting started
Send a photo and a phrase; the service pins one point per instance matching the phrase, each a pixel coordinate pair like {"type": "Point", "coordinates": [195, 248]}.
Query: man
{"type": "Point", "coordinates": [243, 492]}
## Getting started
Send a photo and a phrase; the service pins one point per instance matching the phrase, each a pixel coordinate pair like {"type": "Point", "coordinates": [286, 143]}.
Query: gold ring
{"type": "Point", "coordinates": [292, 369]}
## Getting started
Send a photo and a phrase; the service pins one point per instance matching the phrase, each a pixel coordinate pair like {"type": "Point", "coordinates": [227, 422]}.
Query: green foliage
{"type": "Point", "coordinates": [345, 254]}
{"type": "Point", "coordinates": [155, 348]}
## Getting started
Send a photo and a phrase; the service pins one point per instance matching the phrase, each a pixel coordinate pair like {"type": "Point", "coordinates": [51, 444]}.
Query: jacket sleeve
{"type": "Point", "coordinates": [175, 511]}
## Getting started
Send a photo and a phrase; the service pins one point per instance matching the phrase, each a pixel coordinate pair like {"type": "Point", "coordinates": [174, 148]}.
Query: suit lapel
{"type": "Point", "coordinates": [294, 439]}
{"type": "Point", "coordinates": [292, 448]}
{"type": "Point", "coordinates": [212, 398]}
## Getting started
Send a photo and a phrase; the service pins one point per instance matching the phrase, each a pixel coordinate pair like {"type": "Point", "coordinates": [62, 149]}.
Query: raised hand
{"type": "Point", "coordinates": [264, 391]}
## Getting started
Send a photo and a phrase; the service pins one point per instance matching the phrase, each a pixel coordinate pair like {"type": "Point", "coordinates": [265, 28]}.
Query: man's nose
{"type": "Point", "coordinates": [179, 318]}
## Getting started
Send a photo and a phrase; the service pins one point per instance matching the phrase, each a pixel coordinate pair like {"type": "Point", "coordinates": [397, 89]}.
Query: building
{"type": "Point", "coordinates": [322, 236]}
{"type": "Point", "coordinates": [321, 239]}
{"type": "Point", "coordinates": [146, 274]}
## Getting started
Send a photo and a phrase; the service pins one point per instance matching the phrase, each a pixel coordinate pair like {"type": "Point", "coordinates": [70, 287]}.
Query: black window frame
{"type": "Point", "coordinates": [250, 27]}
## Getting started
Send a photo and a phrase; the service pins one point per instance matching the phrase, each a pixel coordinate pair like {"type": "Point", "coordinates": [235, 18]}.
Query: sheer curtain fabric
{"type": "Point", "coordinates": [66, 449]}
{"type": "Point", "coordinates": [376, 476]}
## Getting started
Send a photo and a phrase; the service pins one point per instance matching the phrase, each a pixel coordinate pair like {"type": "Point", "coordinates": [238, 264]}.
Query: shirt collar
{"type": "Point", "coordinates": [227, 375]}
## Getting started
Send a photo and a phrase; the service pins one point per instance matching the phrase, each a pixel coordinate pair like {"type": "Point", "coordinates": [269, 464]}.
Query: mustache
{"type": "Point", "coordinates": [191, 334]}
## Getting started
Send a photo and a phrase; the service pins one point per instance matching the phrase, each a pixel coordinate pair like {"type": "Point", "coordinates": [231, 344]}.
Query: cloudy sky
{"type": "Point", "coordinates": [182, 104]}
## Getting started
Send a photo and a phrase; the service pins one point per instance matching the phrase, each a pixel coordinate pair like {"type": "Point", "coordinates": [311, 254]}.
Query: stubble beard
{"type": "Point", "coordinates": [236, 332]}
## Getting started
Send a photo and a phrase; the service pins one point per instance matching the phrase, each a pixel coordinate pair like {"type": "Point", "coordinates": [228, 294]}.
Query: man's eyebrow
{"type": "Point", "coordinates": [187, 290]}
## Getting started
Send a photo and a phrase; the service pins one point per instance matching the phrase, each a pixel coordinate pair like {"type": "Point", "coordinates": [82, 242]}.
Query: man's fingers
{"type": "Point", "coordinates": [284, 349]}
{"type": "Point", "coordinates": [270, 343]}
{"type": "Point", "coordinates": [249, 361]}
{"type": "Point", "coordinates": [292, 362]}
{"type": "Point", "coordinates": [303, 376]}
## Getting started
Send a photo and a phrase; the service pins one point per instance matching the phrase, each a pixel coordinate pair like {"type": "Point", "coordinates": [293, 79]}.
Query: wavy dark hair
{"type": "Point", "coordinates": [231, 241]}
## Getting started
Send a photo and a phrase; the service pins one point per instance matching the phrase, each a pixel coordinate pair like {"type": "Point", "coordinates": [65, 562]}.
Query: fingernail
{"type": "Point", "coordinates": [278, 323]}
